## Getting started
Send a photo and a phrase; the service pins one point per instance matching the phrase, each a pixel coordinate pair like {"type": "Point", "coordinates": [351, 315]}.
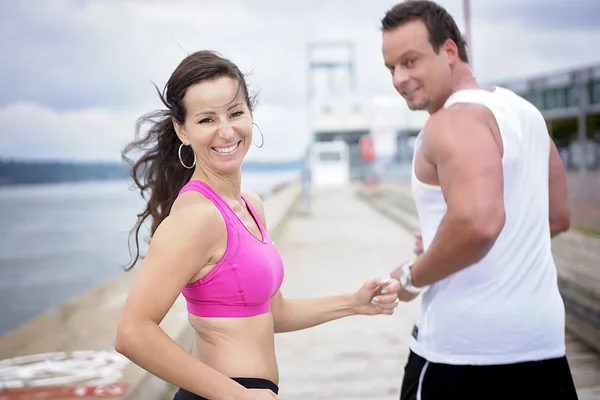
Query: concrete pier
{"type": "Point", "coordinates": [351, 234]}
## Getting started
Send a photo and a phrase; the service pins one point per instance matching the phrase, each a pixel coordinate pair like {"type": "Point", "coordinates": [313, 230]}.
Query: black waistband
{"type": "Point", "coordinates": [257, 383]}
{"type": "Point", "coordinates": [248, 383]}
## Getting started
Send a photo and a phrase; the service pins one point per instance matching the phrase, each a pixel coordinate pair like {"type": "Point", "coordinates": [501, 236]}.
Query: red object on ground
{"type": "Point", "coordinates": [114, 390]}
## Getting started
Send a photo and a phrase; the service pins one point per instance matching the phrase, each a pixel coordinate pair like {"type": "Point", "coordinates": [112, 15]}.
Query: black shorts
{"type": "Point", "coordinates": [249, 383]}
{"type": "Point", "coordinates": [547, 380]}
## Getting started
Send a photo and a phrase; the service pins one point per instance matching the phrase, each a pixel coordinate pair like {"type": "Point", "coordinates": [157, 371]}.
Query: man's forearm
{"type": "Point", "coordinates": [457, 244]}
{"type": "Point", "coordinates": [559, 225]}
{"type": "Point", "coordinates": [298, 314]}
{"type": "Point", "coordinates": [405, 296]}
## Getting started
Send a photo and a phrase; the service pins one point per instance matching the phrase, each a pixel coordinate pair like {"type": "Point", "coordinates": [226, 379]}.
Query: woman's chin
{"type": "Point", "coordinates": [229, 167]}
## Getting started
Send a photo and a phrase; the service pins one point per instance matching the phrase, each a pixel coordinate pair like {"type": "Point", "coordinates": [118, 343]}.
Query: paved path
{"type": "Point", "coordinates": [334, 250]}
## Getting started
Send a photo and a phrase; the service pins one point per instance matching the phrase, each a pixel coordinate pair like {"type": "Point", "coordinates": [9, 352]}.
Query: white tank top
{"type": "Point", "coordinates": [506, 308]}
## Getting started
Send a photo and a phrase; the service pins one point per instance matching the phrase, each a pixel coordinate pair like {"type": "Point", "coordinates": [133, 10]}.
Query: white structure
{"type": "Point", "coordinates": [337, 124]}
{"type": "Point", "coordinates": [330, 163]}
{"type": "Point", "coordinates": [394, 126]}
{"type": "Point", "coordinates": [340, 115]}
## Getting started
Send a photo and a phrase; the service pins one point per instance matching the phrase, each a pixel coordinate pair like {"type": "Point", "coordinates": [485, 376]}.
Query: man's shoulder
{"type": "Point", "coordinates": [448, 118]}
{"type": "Point", "coordinates": [453, 122]}
{"type": "Point", "coordinates": [453, 129]}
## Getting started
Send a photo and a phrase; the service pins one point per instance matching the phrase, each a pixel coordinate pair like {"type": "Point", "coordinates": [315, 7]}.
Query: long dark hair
{"type": "Point", "coordinates": [158, 171]}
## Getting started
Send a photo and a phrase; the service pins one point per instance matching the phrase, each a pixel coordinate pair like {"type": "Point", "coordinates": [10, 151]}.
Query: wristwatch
{"type": "Point", "coordinates": [406, 279]}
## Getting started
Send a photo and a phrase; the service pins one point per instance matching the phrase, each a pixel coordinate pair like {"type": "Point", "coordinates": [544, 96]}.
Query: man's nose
{"type": "Point", "coordinates": [399, 79]}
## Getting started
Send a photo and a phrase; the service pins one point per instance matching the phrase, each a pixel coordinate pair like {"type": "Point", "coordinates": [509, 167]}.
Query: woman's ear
{"type": "Point", "coordinates": [180, 131]}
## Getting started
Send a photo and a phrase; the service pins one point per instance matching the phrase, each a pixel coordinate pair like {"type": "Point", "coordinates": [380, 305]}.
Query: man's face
{"type": "Point", "coordinates": [418, 73]}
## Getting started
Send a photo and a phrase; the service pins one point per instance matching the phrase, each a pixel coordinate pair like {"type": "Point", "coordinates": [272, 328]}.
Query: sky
{"type": "Point", "coordinates": [76, 74]}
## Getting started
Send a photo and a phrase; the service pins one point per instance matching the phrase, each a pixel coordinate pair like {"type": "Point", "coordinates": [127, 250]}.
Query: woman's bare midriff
{"type": "Point", "coordinates": [237, 347]}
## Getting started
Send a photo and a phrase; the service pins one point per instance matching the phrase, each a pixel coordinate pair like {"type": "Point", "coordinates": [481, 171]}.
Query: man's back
{"type": "Point", "coordinates": [505, 308]}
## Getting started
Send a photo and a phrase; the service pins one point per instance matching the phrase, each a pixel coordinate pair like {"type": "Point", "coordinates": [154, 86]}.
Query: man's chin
{"type": "Point", "coordinates": [413, 106]}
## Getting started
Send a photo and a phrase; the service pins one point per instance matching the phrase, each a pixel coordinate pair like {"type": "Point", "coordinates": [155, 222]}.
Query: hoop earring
{"type": "Point", "coordinates": [262, 138]}
{"type": "Point", "coordinates": [181, 159]}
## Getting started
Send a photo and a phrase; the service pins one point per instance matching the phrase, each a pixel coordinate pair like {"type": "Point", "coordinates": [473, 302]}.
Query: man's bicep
{"type": "Point", "coordinates": [469, 166]}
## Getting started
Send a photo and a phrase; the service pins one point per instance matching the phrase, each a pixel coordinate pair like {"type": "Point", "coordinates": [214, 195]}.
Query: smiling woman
{"type": "Point", "coordinates": [213, 112]}
{"type": "Point", "coordinates": [209, 243]}
{"type": "Point", "coordinates": [199, 98]}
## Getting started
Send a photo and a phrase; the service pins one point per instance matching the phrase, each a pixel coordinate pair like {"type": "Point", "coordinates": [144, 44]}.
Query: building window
{"type": "Point", "coordinates": [555, 98]}
{"type": "Point", "coordinates": [536, 98]}
{"type": "Point", "coordinates": [550, 98]}
{"type": "Point", "coordinates": [561, 98]}
{"type": "Point", "coordinates": [595, 92]}
{"type": "Point", "coordinates": [330, 156]}
{"type": "Point", "coordinates": [573, 96]}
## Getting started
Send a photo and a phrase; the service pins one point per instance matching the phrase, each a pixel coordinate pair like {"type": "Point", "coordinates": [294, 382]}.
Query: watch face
{"type": "Point", "coordinates": [404, 275]}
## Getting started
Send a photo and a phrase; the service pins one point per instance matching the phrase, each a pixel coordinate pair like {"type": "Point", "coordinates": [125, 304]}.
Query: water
{"type": "Point", "coordinates": [61, 240]}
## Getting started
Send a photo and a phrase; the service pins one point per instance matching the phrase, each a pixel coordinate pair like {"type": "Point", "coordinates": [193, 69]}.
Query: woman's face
{"type": "Point", "coordinates": [218, 125]}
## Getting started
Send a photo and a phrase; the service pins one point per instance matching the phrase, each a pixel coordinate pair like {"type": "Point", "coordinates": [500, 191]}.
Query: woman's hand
{"type": "Point", "coordinates": [377, 296]}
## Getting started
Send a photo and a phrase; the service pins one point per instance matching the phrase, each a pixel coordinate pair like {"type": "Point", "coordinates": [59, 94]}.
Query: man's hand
{"type": "Point", "coordinates": [418, 247]}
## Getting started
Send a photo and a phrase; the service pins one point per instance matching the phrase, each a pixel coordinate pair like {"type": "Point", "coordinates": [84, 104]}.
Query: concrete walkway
{"type": "Point", "coordinates": [334, 250]}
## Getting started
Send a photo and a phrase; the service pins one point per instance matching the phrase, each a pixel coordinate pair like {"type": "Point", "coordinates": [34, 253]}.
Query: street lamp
{"type": "Point", "coordinates": [467, 18]}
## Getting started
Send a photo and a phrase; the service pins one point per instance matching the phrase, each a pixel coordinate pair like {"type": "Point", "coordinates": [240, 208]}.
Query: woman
{"type": "Point", "coordinates": [209, 242]}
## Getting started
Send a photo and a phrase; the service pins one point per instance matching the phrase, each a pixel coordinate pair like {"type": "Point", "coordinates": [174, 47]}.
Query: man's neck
{"type": "Point", "coordinates": [462, 78]}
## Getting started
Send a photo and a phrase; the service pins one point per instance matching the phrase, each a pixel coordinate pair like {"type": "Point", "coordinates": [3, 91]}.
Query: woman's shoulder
{"type": "Point", "coordinates": [192, 215]}
{"type": "Point", "coordinates": [191, 202]}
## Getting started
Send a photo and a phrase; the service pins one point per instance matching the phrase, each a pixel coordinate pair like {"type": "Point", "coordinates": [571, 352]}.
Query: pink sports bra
{"type": "Point", "coordinates": [250, 272]}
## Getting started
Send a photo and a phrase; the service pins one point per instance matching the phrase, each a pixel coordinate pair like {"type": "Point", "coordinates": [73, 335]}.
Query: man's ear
{"type": "Point", "coordinates": [451, 50]}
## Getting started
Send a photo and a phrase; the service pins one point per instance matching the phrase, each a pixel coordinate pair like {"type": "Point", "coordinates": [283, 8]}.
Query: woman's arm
{"type": "Point", "coordinates": [181, 247]}
{"type": "Point", "coordinates": [297, 314]}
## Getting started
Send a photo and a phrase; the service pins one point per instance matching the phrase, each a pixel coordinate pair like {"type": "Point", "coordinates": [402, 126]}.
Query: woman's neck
{"type": "Point", "coordinates": [227, 186]}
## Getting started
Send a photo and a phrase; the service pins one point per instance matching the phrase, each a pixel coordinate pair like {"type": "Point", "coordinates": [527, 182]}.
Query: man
{"type": "Point", "coordinates": [490, 191]}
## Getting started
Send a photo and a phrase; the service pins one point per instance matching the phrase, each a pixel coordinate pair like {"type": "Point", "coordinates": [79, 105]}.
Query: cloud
{"type": "Point", "coordinates": [506, 51]}
{"type": "Point", "coordinates": [78, 73]}
{"type": "Point", "coordinates": [285, 132]}
{"type": "Point", "coordinates": [30, 131]}
{"type": "Point", "coordinates": [61, 54]}
{"type": "Point", "coordinates": [545, 15]}
{"type": "Point", "coordinates": [33, 131]}
{"type": "Point", "coordinates": [104, 53]}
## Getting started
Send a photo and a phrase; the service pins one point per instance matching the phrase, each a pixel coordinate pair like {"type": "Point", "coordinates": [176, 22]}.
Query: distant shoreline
{"type": "Point", "coordinates": [17, 173]}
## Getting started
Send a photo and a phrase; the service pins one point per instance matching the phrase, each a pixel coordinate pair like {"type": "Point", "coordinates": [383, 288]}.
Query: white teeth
{"type": "Point", "coordinates": [226, 150]}
{"type": "Point", "coordinates": [410, 91]}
